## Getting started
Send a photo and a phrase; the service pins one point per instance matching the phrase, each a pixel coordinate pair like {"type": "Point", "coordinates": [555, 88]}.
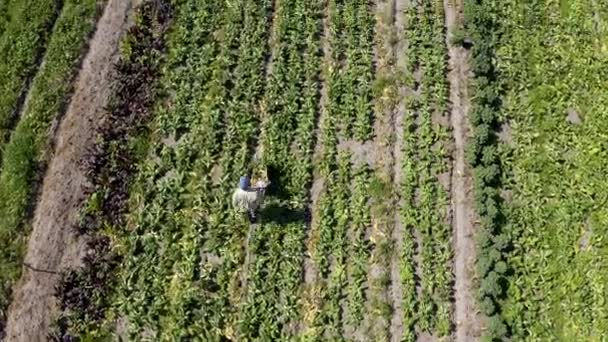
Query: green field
{"type": "Point", "coordinates": [349, 104]}
{"type": "Point", "coordinates": [24, 145]}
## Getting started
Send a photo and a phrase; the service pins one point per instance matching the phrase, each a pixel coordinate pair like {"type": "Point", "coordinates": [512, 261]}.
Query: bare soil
{"type": "Point", "coordinates": [380, 154]}
{"type": "Point", "coordinates": [399, 52]}
{"type": "Point", "coordinates": [584, 243]}
{"type": "Point", "coordinates": [361, 153]}
{"type": "Point", "coordinates": [426, 337]}
{"type": "Point", "coordinates": [54, 243]}
{"type": "Point", "coordinates": [468, 322]}
{"type": "Point", "coordinates": [574, 117]}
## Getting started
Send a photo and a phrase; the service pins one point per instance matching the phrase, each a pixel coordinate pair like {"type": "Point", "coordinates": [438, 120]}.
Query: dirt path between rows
{"type": "Point", "coordinates": [399, 232]}
{"type": "Point", "coordinates": [54, 244]}
{"type": "Point", "coordinates": [386, 160]}
{"type": "Point", "coordinates": [468, 323]}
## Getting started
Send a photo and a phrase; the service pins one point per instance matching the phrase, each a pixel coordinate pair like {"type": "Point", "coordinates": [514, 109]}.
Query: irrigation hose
{"type": "Point", "coordinates": [40, 270]}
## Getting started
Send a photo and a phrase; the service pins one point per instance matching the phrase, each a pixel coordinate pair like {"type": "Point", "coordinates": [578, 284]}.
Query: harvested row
{"type": "Point", "coordinates": [383, 303]}
{"type": "Point", "coordinates": [469, 321]}
{"type": "Point", "coordinates": [29, 146]}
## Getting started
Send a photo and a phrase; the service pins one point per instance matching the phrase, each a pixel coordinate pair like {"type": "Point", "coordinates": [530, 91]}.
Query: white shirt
{"type": "Point", "coordinates": [247, 200]}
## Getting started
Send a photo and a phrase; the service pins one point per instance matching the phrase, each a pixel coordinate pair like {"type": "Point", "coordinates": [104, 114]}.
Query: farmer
{"type": "Point", "coordinates": [248, 199]}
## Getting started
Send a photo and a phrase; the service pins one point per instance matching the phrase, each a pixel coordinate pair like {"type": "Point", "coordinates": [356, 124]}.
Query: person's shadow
{"type": "Point", "coordinates": [276, 207]}
{"type": "Point", "coordinates": [281, 213]}
{"type": "Point", "coordinates": [276, 188]}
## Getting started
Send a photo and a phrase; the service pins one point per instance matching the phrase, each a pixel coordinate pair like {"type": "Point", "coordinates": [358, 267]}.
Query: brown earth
{"type": "Point", "coordinates": [468, 322]}
{"type": "Point", "coordinates": [380, 154]}
{"type": "Point", "coordinates": [399, 52]}
{"type": "Point", "coordinates": [54, 244]}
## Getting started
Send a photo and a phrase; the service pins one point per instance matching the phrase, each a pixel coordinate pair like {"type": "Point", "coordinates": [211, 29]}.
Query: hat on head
{"type": "Point", "coordinates": [244, 183]}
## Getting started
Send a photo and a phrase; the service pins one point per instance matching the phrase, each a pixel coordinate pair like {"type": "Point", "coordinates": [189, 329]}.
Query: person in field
{"type": "Point", "coordinates": [247, 199]}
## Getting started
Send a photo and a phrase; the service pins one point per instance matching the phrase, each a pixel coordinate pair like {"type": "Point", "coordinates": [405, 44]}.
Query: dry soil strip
{"type": "Point", "coordinates": [399, 51]}
{"type": "Point", "coordinates": [384, 147]}
{"type": "Point", "coordinates": [54, 244]}
{"type": "Point", "coordinates": [466, 316]}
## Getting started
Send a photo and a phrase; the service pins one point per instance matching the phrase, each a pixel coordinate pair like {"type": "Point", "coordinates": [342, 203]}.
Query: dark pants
{"type": "Point", "coordinates": [252, 216]}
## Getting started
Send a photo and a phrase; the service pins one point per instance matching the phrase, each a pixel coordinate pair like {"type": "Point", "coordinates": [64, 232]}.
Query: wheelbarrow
{"type": "Point", "coordinates": [259, 173]}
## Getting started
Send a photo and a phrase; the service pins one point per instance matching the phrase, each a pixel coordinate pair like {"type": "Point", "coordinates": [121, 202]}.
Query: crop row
{"type": "Point", "coordinates": [354, 50]}
{"type": "Point", "coordinates": [25, 29]}
{"type": "Point", "coordinates": [4, 15]}
{"type": "Point", "coordinates": [185, 246]}
{"type": "Point", "coordinates": [329, 247]}
{"type": "Point", "coordinates": [319, 245]}
{"type": "Point", "coordinates": [408, 186]}
{"type": "Point", "coordinates": [407, 265]}
{"type": "Point", "coordinates": [341, 217]}
{"type": "Point", "coordinates": [226, 230]}
{"type": "Point", "coordinates": [271, 307]}
{"type": "Point", "coordinates": [353, 96]}
{"type": "Point", "coordinates": [334, 227]}
{"type": "Point", "coordinates": [320, 310]}
{"type": "Point", "coordinates": [25, 153]}
{"type": "Point", "coordinates": [428, 212]}
{"type": "Point", "coordinates": [152, 251]}
{"type": "Point", "coordinates": [380, 308]}
{"type": "Point", "coordinates": [290, 102]}
{"type": "Point", "coordinates": [492, 242]}
{"type": "Point", "coordinates": [437, 95]}
{"type": "Point", "coordinates": [356, 77]}
{"type": "Point", "coordinates": [241, 124]}
{"type": "Point", "coordinates": [198, 278]}
{"type": "Point", "coordinates": [358, 251]}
